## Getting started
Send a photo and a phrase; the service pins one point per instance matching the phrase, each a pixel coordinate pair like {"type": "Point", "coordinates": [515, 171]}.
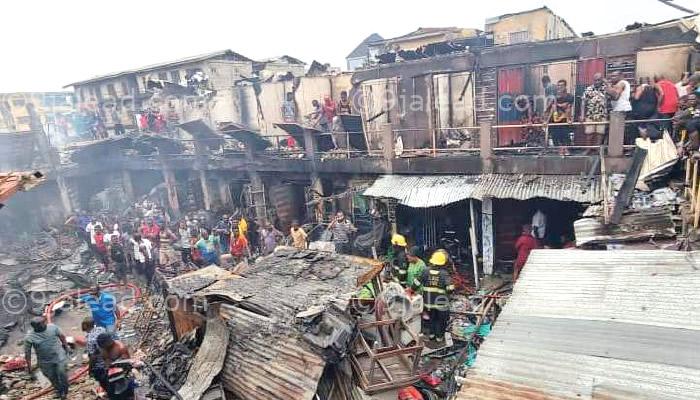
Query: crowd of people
{"type": "Point", "coordinates": [323, 115]}
{"type": "Point", "coordinates": [667, 105]}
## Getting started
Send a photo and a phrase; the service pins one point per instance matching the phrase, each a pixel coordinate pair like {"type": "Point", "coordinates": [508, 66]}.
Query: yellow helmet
{"type": "Point", "coordinates": [398, 240]}
{"type": "Point", "coordinates": [439, 258]}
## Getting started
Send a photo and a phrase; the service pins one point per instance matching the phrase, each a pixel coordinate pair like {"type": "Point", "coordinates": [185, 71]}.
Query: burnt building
{"type": "Point", "coordinates": [427, 143]}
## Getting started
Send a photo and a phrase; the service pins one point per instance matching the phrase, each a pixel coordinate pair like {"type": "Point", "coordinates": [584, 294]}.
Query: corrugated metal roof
{"type": "Point", "coordinates": [12, 182]}
{"type": "Point", "coordinates": [422, 191]}
{"type": "Point", "coordinates": [595, 325]}
{"type": "Point", "coordinates": [525, 187]}
{"type": "Point", "coordinates": [207, 362]}
{"type": "Point", "coordinates": [263, 363]}
{"type": "Point", "coordinates": [637, 225]}
{"type": "Point", "coordinates": [169, 64]}
{"type": "Point", "coordinates": [268, 357]}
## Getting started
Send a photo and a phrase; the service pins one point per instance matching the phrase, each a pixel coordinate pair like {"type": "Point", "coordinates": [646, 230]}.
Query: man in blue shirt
{"type": "Point", "coordinates": [103, 306]}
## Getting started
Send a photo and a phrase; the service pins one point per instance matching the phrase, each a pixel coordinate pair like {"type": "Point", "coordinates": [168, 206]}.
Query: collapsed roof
{"type": "Point", "coordinates": [286, 315]}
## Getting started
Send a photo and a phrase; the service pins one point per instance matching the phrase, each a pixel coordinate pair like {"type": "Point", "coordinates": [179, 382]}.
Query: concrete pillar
{"type": "Point", "coordinates": [616, 136]}
{"type": "Point", "coordinates": [224, 192]}
{"type": "Point", "coordinates": [486, 146]}
{"type": "Point", "coordinates": [64, 192]}
{"type": "Point", "coordinates": [171, 186]}
{"type": "Point", "coordinates": [309, 144]}
{"type": "Point", "coordinates": [206, 195]}
{"type": "Point", "coordinates": [388, 142]}
{"type": "Point", "coordinates": [128, 185]}
{"type": "Point", "coordinates": [487, 231]}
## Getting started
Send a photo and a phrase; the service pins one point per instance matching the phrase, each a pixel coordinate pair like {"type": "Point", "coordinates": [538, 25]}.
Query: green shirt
{"type": "Point", "coordinates": [47, 344]}
{"type": "Point", "coordinates": [415, 271]}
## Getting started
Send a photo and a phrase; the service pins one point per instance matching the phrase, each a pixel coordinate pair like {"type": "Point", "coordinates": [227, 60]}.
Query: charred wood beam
{"type": "Point", "coordinates": [627, 190]}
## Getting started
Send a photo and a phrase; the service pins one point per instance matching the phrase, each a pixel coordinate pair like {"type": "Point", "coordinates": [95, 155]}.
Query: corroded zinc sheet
{"type": "Point", "coordinates": [264, 363]}
{"type": "Point", "coordinates": [525, 187]}
{"type": "Point", "coordinates": [422, 191]}
{"type": "Point", "coordinates": [208, 361]}
{"type": "Point", "coordinates": [595, 325]}
{"type": "Point", "coordinates": [271, 355]}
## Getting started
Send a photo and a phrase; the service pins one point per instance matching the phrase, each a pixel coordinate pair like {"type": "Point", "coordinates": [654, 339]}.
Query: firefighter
{"type": "Point", "coordinates": [399, 264]}
{"type": "Point", "coordinates": [437, 286]}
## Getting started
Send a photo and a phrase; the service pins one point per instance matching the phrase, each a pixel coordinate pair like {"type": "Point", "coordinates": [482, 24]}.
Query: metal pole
{"type": "Point", "coordinates": [472, 239]}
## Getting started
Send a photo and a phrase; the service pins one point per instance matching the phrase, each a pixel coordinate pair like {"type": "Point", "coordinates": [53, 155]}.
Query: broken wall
{"type": "Point", "coordinates": [671, 61]}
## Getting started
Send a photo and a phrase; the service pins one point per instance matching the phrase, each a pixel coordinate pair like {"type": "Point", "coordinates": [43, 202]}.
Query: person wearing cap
{"type": "Point", "coordinates": [398, 258]}
{"type": "Point", "coordinates": [416, 267]}
{"type": "Point", "coordinates": [50, 345]}
{"type": "Point", "coordinates": [437, 287]}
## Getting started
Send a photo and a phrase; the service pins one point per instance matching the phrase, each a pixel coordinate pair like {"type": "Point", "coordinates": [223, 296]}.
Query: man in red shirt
{"type": "Point", "coordinates": [523, 246]}
{"type": "Point", "coordinates": [101, 247]}
{"type": "Point", "coordinates": [668, 99]}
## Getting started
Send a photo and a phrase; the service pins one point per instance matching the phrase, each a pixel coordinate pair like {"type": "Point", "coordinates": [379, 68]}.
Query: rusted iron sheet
{"type": "Point", "coordinates": [636, 225]}
{"type": "Point", "coordinates": [208, 362]}
{"type": "Point", "coordinates": [423, 191]}
{"type": "Point", "coordinates": [270, 354]}
{"type": "Point", "coordinates": [11, 183]}
{"type": "Point", "coordinates": [264, 363]}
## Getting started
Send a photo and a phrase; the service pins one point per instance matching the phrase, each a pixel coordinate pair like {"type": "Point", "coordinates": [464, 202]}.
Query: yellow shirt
{"type": "Point", "coordinates": [299, 238]}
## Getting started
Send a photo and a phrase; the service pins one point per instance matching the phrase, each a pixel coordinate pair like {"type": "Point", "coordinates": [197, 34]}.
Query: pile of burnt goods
{"type": "Point", "coordinates": [168, 366]}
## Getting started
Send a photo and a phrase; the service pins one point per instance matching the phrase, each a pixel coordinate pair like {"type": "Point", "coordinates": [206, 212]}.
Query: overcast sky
{"type": "Point", "coordinates": [48, 44]}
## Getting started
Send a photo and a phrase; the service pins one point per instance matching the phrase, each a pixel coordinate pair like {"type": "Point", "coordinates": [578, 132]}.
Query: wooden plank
{"type": "Point", "coordinates": [407, 350]}
{"type": "Point", "coordinates": [604, 186]}
{"type": "Point", "coordinates": [627, 190]}
{"type": "Point", "coordinates": [688, 166]}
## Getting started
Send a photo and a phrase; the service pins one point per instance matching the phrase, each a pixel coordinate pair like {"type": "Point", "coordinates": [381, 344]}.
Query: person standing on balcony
{"type": "Point", "coordinates": [594, 108]}
{"type": "Point", "coordinates": [562, 114]}
{"type": "Point", "coordinates": [668, 100]}
{"type": "Point", "coordinates": [328, 109]}
{"type": "Point", "coordinates": [344, 106]}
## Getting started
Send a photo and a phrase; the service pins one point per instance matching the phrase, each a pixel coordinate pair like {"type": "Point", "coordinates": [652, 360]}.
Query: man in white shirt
{"type": "Point", "coordinates": [142, 254]}
{"type": "Point", "coordinates": [619, 91]}
{"type": "Point", "coordinates": [539, 225]}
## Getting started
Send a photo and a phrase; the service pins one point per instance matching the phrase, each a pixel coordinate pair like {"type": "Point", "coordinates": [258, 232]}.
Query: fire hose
{"type": "Point", "coordinates": [48, 313]}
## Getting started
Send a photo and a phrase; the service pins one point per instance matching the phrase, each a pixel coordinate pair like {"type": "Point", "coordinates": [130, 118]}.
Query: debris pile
{"type": "Point", "coordinates": [171, 364]}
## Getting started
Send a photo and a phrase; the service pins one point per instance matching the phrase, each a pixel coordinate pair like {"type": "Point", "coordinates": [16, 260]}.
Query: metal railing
{"type": "Point", "coordinates": [546, 135]}
{"type": "Point", "coordinates": [438, 136]}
